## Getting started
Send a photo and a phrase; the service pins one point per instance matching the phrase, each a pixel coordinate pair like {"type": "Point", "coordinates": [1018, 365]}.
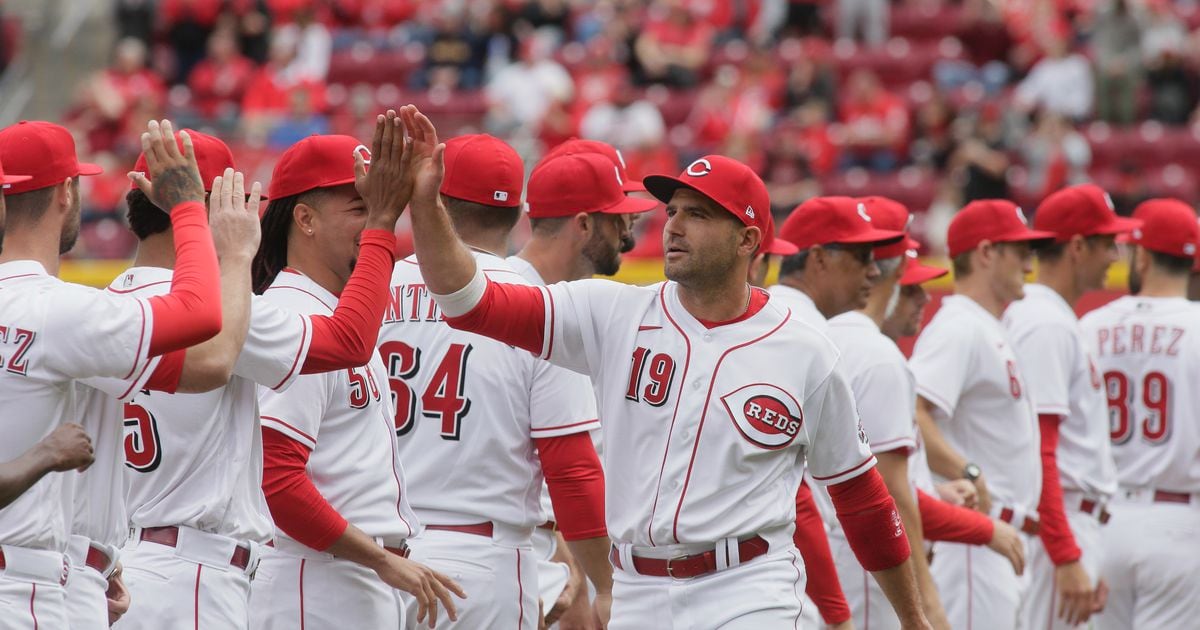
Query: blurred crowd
{"type": "Point", "coordinates": [932, 102]}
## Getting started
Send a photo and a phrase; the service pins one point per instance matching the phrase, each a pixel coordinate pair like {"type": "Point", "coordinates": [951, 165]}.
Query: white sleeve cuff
{"type": "Point", "coordinates": [465, 299]}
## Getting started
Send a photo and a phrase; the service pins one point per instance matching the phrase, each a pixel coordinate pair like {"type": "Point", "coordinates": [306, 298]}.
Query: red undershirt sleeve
{"type": "Point", "coordinates": [576, 483]}
{"type": "Point", "coordinates": [191, 312]}
{"type": "Point", "coordinates": [870, 521]}
{"type": "Point", "coordinates": [512, 313]}
{"type": "Point", "coordinates": [166, 375]}
{"type": "Point", "coordinates": [823, 586]}
{"type": "Point", "coordinates": [1056, 531]}
{"type": "Point", "coordinates": [953, 523]}
{"type": "Point", "coordinates": [347, 338]}
{"type": "Point", "coordinates": [296, 505]}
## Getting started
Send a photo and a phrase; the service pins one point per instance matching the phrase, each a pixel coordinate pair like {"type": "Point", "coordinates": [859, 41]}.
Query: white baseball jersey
{"type": "Point", "coordinates": [801, 306]}
{"type": "Point", "coordinates": [51, 334]}
{"type": "Point", "coordinates": [196, 459]}
{"type": "Point", "coordinates": [472, 405]}
{"type": "Point", "coordinates": [965, 366]}
{"type": "Point", "coordinates": [1148, 350]}
{"type": "Point", "coordinates": [705, 432]}
{"type": "Point", "coordinates": [1063, 380]}
{"type": "Point", "coordinates": [530, 273]}
{"type": "Point", "coordinates": [345, 418]}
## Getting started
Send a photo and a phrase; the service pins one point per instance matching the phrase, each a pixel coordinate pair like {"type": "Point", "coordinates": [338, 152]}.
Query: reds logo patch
{"type": "Point", "coordinates": [765, 415]}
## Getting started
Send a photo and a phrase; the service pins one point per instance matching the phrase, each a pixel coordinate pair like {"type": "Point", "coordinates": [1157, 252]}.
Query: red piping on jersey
{"type": "Point", "coordinates": [299, 351]}
{"type": "Point", "coordinates": [196, 599]}
{"type": "Point", "coordinates": [134, 383]}
{"type": "Point", "coordinates": [298, 431]}
{"type": "Point", "coordinates": [32, 595]}
{"type": "Point", "coordinates": [566, 426]}
{"type": "Point", "coordinates": [909, 442]}
{"type": "Point", "coordinates": [314, 296]}
{"type": "Point", "coordinates": [396, 475]}
{"type": "Point", "coordinates": [796, 590]}
{"type": "Point", "coordinates": [520, 593]}
{"type": "Point", "coordinates": [23, 275]}
{"type": "Point", "coordinates": [148, 284]}
{"type": "Point", "coordinates": [847, 471]}
{"type": "Point", "coordinates": [687, 362]}
{"type": "Point", "coordinates": [550, 343]}
{"type": "Point", "coordinates": [301, 594]}
{"type": "Point", "coordinates": [645, 328]}
{"type": "Point", "coordinates": [704, 414]}
{"type": "Point", "coordinates": [141, 339]}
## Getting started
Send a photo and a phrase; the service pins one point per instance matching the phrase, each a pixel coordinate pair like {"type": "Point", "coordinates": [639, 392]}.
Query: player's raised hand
{"type": "Point", "coordinates": [175, 174]}
{"type": "Point", "coordinates": [234, 220]}
{"type": "Point", "coordinates": [428, 152]}
{"type": "Point", "coordinates": [427, 585]}
{"type": "Point", "coordinates": [387, 186]}
{"type": "Point", "coordinates": [1007, 542]}
{"type": "Point", "coordinates": [68, 447]}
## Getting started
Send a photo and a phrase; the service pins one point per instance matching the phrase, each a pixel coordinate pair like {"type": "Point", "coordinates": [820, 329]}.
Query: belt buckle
{"type": "Point", "coordinates": [671, 570]}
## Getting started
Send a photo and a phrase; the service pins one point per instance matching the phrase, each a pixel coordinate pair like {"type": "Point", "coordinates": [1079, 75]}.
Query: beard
{"type": "Point", "coordinates": [627, 244]}
{"type": "Point", "coordinates": [703, 268]}
{"type": "Point", "coordinates": [70, 235]}
{"type": "Point", "coordinates": [605, 259]}
{"type": "Point", "coordinates": [1135, 279]}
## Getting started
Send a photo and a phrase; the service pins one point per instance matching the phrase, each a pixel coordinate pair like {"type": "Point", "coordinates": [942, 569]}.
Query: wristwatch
{"type": "Point", "coordinates": [971, 472]}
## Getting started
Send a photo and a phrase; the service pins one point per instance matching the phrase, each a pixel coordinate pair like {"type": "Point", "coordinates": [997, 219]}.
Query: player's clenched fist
{"type": "Point", "coordinates": [1007, 542]}
{"type": "Point", "coordinates": [427, 585]}
{"type": "Point", "coordinates": [387, 186]}
{"type": "Point", "coordinates": [67, 448]}
{"type": "Point", "coordinates": [232, 219]}
{"type": "Point", "coordinates": [175, 174]}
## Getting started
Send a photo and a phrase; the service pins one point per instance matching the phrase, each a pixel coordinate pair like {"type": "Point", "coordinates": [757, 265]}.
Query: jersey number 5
{"type": "Point", "coordinates": [444, 397]}
{"type": "Point", "coordinates": [142, 447]}
{"type": "Point", "coordinates": [1156, 398]}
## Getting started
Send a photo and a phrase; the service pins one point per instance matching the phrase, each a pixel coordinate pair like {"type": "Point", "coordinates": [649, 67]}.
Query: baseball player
{"type": "Point", "coordinates": [331, 472]}
{"type": "Point", "coordinates": [55, 334]}
{"type": "Point", "coordinates": [68, 447]}
{"type": "Point", "coordinates": [176, 466]}
{"type": "Point", "coordinates": [479, 407]}
{"type": "Point", "coordinates": [1147, 346]}
{"type": "Point", "coordinates": [879, 377]}
{"type": "Point", "coordinates": [704, 435]}
{"type": "Point", "coordinates": [1077, 466]}
{"type": "Point", "coordinates": [974, 410]}
{"type": "Point", "coordinates": [571, 246]}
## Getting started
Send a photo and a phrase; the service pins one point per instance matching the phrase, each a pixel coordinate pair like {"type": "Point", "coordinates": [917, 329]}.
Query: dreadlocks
{"type": "Point", "coordinates": [272, 249]}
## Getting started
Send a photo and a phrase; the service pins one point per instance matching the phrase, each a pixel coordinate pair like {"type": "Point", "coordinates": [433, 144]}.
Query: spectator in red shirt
{"type": "Point", "coordinates": [219, 81]}
{"type": "Point", "coordinates": [269, 95]}
{"type": "Point", "coordinates": [119, 99]}
{"type": "Point", "coordinates": [674, 45]}
{"type": "Point", "coordinates": [799, 150]}
{"type": "Point", "coordinates": [875, 124]}
{"type": "Point", "coordinates": [187, 24]}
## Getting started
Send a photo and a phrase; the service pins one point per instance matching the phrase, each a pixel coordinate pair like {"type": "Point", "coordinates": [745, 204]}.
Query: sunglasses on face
{"type": "Point", "coordinates": [861, 254]}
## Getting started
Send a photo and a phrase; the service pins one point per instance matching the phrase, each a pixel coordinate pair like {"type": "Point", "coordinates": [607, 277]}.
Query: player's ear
{"type": "Point", "coordinates": [751, 241]}
{"type": "Point", "coordinates": [583, 221]}
{"type": "Point", "coordinates": [303, 216]}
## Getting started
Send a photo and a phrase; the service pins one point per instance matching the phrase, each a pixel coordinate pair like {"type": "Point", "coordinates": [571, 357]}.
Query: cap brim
{"type": "Point", "coordinates": [632, 186]}
{"type": "Point", "coordinates": [1117, 226]}
{"type": "Point", "coordinates": [87, 168]}
{"type": "Point", "coordinates": [781, 247]}
{"type": "Point", "coordinates": [631, 205]}
{"type": "Point", "coordinates": [917, 273]}
{"type": "Point", "coordinates": [873, 237]}
{"type": "Point", "coordinates": [1035, 238]}
{"type": "Point", "coordinates": [663, 187]}
{"type": "Point", "coordinates": [9, 180]}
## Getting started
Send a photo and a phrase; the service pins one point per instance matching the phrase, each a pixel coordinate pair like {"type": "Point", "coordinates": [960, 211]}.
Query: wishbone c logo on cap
{"type": "Point", "coordinates": [862, 212]}
{"type": "Point", "coordinates": [699, 168]}
{"type": "Point", "coordinates": [365, 152]}
{"type": "Point", "coordinates": [1021, 215]}
{"type": "Point", "coordinates": [617, 172]}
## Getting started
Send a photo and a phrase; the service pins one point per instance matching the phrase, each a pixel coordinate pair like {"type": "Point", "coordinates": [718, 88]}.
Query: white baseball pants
{"type": "Point", "coordinates": [500, 578]}
{"type": "Point", "coordinates": [167, 591]}
{"type": "Point", "coordinates": [320, 593]}
{"type": "Point", "coordinates": [1042, 602]}
{"type": "Point", "coordinates": [763, 594]}
{"type": "Point", "coordinates": [1152, 566]}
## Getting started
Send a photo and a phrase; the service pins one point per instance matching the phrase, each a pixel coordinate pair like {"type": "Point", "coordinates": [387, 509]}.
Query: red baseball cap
{"type": "Point", "coordinates": [917, 272]}
{"type": "Point", "coordinates": [43, 151]}
{"type": "Point", "coordinates": [835, 220]}
{"type": "Point", "coordinates": [212, 156]}
{"type": "Point", "coordinates": [1169, 226]}
{"type": "Point", "coordinates": [581, 182]}
{"type": "Point", "coordinates": [773, 245]}
{"type": "Point", "coordinates": [483, 169]}
{"type": "Point", "coordinates": [1083, 210]}
{"type": "Point", "coordinates": [727, 182]}
{"type": "Point", "coordinates": [316, 162]}
{"type": "Point", "coordinates": [575, 146]}
{"type": "Point", "coordinates": [889, 214]}
{"type": "Point", "coordinates": [9, 180]}
{"type": "Point", "coordinates": [995, 220]}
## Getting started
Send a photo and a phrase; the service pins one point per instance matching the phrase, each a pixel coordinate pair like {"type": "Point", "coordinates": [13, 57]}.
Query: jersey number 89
{"type": "Point", "coordinates": [444, 398]}
{"type": "Point", "coordinates": [1155, 397]}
